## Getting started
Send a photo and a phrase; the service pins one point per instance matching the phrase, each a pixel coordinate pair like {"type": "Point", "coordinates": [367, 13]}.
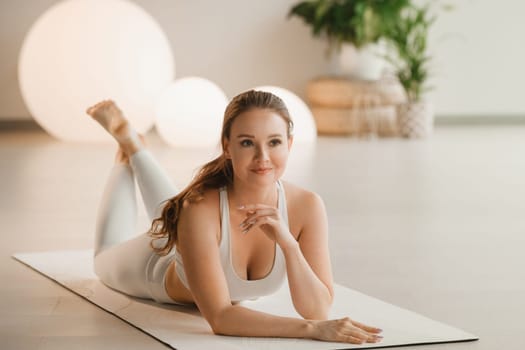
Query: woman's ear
{"type": "Point", "coordinates": [290, 142]}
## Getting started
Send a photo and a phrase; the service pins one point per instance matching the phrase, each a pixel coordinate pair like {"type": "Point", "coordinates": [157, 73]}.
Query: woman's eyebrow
{"type": "Point", "coordinates": [252, 137]}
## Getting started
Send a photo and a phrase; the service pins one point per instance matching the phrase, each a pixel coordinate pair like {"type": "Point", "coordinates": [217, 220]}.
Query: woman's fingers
{"type": "Point", "coordinates": [344, 330]}
{"type": "Point", "coordinates": [258, 217]}
{"type": "Point", "coordinates": [253, 207]}
{"type": "Point", "coordinates": [259, 213]}
{"type": "Point", "coordinates": [367, 328]}
{"type": "Point", "coordinates": [258, 220]}
{"type": "Point", "coordinates": [350, 339]}
{"type": "Point", "coordinates": [361, 331]}
{"type": "Point", "coordinates": [363, 336]}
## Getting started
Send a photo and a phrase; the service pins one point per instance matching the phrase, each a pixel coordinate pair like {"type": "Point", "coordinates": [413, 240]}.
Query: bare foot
{"type": "Point", "coordinates": [107, 114]}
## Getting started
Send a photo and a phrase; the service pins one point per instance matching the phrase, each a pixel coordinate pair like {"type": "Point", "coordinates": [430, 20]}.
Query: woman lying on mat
{"type": "Point", "coordinates": [235, 233]}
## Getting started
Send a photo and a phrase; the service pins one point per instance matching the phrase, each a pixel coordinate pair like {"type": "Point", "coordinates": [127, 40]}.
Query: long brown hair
{"type": "Point", "coordinates": [214, 174]}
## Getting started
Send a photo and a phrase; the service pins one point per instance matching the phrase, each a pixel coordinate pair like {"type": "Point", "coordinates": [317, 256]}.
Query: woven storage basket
{"type": "Point", "coordinates": [380, 121]}
{"type": "Point", "coordinates": [346, 93]}
{"type": "Point", "coordinates": [415, 120]}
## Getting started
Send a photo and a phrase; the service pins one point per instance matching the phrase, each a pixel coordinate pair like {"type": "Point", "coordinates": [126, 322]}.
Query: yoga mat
{"type": "Point", "coordinates": [184, 328]}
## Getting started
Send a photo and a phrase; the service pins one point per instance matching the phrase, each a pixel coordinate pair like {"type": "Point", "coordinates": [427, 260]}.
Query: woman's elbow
{"type": "Point", "coordinates": [217, 331]}
{"type": "Point", "coordinates": [215, 325]}
{"type": "Point", "coordinates": [218, 323]}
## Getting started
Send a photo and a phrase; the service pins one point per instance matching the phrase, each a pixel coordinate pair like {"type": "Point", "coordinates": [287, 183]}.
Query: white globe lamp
{"type": "Point", "coordinates": [82, 51]}
{"type": "Point", "coordinates": [304, 123]}
{"type": "Point", "coordinates": [189, 113]}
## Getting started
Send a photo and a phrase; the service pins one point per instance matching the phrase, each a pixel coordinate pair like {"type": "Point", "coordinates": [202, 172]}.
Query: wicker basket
{"type": "Point", "coordinates": [380, 121]}
{"type": "Point", "coordinates": [346, 93]}
{"type": "Point", "coordinates": [355, 107]}
{"type": "Point", "coordinates": [416, 120]}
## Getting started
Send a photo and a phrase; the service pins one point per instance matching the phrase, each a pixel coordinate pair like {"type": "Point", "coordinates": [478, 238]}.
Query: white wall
{"type": "Point", "coordinates": [479, 66]}
{"type": "Point", "coordinates": [238, 44]}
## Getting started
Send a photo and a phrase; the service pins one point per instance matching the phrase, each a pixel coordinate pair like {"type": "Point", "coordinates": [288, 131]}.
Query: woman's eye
{"type": "Point", "coordinates": [246, 143]}
{"type": "Point", "coordinates": [275, 142]}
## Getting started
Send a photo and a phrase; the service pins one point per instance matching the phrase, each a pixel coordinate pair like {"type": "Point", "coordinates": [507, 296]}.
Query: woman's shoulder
{"type": "Point", "coordinates": [299, 195]}
{"type": "Point", "coordinates": [201, 215]}
{"type": "Point", "coordinates": [303, 206]}
{"type": "Point", "coordinates": [206, 202]}
{"type": "Point", "coordinates": [206, 205]}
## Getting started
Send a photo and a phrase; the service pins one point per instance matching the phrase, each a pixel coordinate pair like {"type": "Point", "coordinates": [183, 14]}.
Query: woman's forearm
{"type": "Point", "coordinates": [241, 321]}
{"type": "Point", "coordinates": [310, 296]}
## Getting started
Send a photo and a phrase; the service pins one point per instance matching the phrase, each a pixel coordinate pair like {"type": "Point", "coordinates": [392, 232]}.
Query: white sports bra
{"type": "Point", "coordinates": [239, 288]}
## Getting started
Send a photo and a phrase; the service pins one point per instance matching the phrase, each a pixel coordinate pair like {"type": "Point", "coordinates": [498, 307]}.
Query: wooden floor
{"type": "Point", "coordinates": [436, 226]}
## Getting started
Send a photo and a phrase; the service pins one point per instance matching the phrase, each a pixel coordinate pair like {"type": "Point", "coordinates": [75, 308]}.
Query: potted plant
{"type": "Point", "coordinates": [354, 29]}
{"type": "Point", "coordinates": [408, 39]}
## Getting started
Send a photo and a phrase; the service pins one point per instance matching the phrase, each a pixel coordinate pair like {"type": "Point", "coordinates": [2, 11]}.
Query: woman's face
{"type": "Point", "coordinates": [258, 146]}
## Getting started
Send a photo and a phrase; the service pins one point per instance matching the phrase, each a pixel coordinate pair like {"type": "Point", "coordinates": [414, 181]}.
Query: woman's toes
{"type": "Point", "coordinates": [103, 107]}
{"type": "Point", "coordinates": [90, 110]}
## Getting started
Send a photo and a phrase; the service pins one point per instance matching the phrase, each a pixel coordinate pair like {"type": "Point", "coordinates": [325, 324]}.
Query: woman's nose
{"type": "Point", "coordinates": [261, 153]}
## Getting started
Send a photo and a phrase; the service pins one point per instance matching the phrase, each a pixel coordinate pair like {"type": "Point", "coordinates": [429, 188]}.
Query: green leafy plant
{"type": "Point", "coordinates": [349, 21]}
{"type": "Point", "coordinates": [408, 38]}
{"type": "Point", "coordinates": [401, 23]}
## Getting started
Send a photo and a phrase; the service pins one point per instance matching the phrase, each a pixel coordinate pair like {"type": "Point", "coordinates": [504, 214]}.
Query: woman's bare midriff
{"type": "Point", "coordinates": [174, 287]}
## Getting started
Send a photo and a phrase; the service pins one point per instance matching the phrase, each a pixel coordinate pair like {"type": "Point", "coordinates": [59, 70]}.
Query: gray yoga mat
{"type": "Point", "coordinates": [183, 328]}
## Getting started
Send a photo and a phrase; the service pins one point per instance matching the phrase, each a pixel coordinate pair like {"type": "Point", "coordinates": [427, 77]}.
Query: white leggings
{"type": "Point", "coordinates": [124, 261]}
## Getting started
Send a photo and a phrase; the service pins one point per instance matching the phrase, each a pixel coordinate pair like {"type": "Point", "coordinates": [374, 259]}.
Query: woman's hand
{"type": "Point", "coordinates": [345, 330]}
{"type": "Point", "coordinates": [269, 219]}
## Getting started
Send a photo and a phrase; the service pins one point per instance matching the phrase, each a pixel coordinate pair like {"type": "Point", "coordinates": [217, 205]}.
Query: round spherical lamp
{"type": "Point", "coordinates": [304, 123]}
{"type": "Point", "coordinates": [82, 51]}
{"type": "Point", "coordinates": [189, 113]}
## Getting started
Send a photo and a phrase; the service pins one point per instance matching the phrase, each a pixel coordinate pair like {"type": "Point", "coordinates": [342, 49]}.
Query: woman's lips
{"type": "Point", "coordinates": [261, 171]}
